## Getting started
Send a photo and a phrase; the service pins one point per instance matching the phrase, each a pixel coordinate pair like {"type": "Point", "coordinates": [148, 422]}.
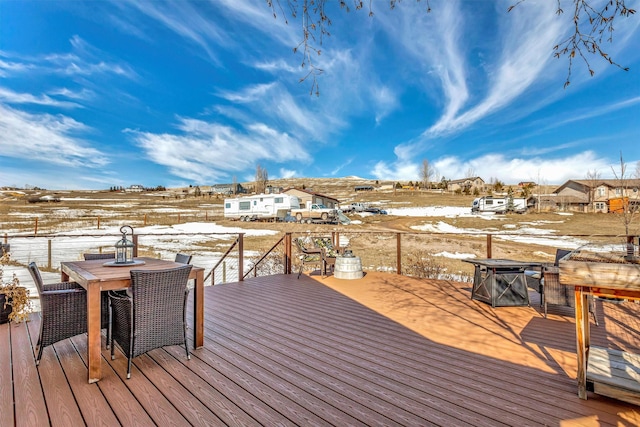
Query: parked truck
{"type": "Point", "coordinates": [502, 204]}
{"type": "Point", "coordinates": [354, 207]}
{"type": "Point", "coordinates": [315, 212]}
{"type": "Point", "coordinates": [267, 207]}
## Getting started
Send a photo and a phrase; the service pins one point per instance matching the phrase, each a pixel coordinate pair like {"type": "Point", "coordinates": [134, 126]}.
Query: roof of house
{"type": "Point", "coordinates": [586, 184]}
{"type": "Point", "coordinates": [458, 181]}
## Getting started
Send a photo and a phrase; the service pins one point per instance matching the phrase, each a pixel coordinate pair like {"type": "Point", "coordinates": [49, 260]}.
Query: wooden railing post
{"type": "Point", "coordinates": [399, 253]}
{"type": "Point", "coordinates": [98, 222]}
{"type": "Point", "coordinates": [488, 245]}
{"type": "Point", "coordinates": [287, 253]}
{"type": "Point", "coordinates": [35, 231]}
{"type": "Point", "coordinates": [134, 238]}
{"type": "Point", "coordinates": [49, 263]}
{"type": "Point", "coordinates": [240, 257]}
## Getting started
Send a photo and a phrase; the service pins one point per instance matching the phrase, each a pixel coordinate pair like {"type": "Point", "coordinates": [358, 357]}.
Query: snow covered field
{"type": "Point", "coordinates": [166, 240]}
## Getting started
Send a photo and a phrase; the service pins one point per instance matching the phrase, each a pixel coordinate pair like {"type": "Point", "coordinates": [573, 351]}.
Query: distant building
{"type": "Point", "coordinates": [363, 188]}
{"type": "Point", "coordinates": [274, 190]}
{"type": "Point", "coordinates": [466, 184]}
{"type": "Point", "coordinates": [135, 188]}
{"type": "Point", "coordinates": [604, 195]}
{"type": "Point", "coordinates": [228, 189]}
{"type": "Point", "coordinates": [309, 196]}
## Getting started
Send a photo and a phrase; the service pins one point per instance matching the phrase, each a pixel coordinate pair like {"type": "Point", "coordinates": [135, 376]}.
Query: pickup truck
{"type": "Point", "coordinates": [314, 211]}
{"type": "Point", "coordinates": [355, 207]}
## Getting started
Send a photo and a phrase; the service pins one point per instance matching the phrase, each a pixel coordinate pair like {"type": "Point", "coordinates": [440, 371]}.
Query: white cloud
{"type": "Point", "coordinates": [287, 173]}
{"type": "Point", "coordinates": [11, 97]}
{"type": "Point", "coordinates": [207, 150]}
{"type": "Point", "coordinates": [510, 170]}
{"type": "Point", "coordinates": [399, 171]}
{"type": "Point", "coordinates": [46, 138]}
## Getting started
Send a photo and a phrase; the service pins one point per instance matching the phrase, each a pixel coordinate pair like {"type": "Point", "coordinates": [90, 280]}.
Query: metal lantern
{"type": "Point", "coordinates": [124, 247]}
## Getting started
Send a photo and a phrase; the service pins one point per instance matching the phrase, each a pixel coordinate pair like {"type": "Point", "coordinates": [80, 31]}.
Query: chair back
{"type": "Point", "coordinates": [159, 290]}
{"type": "Point", "coordinates": [301, 245]}
{"type": "Point", "coordinates": [326, 245]}
{"type": "Point", "coordinates": [159, 312]}
{"type": "Point", "coordinates": [37, 277]}
{"type": "Point", "coordinates": [105, 255]}
{"type": "Point", "coordinates": [183, 258]}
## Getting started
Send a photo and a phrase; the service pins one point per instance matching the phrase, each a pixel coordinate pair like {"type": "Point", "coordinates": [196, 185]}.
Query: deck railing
{"type": "Point", "coordinates": [228, 257]}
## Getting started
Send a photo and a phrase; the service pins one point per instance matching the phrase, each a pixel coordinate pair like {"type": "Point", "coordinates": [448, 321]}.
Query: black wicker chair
{"type": "Point", "coordinates": [183, 258]}
{"type": "Point", "coordinates": [64, 310]}
{"type": "Point", "coordinates": [105, 322]}
{"type": "Point", "coordinates": [152, 313]}
{"type": "Point", "coordinates": [555, 293]}
{"type": "Point", "coordinates": [105, 255]}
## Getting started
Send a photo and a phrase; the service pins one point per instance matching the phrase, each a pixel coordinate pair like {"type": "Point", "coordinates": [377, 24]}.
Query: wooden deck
{"type": "Point", "coordinates": [382, 350]}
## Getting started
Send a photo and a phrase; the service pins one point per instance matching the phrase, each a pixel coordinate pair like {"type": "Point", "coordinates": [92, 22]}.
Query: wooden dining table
{"type": "Point", "coordinates": [97, 276]}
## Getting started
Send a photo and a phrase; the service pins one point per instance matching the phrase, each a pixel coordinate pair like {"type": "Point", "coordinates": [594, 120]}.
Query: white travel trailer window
{"type": "Point", "coordinates": [244, 206]}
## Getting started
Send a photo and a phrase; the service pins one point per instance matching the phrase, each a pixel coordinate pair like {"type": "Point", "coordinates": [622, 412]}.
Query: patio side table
{"type": "Point", "coordinates": [501, 282]}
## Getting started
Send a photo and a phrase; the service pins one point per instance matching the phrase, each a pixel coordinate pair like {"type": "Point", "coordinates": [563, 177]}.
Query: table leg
{"type": "Point", "coordinates": [582, 339]}
{"type": "Point", "coordinates": [198, 310]}
{"type": "Point", "coordinates": [94, 355]}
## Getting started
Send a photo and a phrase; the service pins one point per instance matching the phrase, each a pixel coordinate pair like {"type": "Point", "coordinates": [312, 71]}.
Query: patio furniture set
{"type": "Point", "coordinates": [141, 304]}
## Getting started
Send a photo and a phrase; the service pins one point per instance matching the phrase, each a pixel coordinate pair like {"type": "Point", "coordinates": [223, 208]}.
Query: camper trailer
{"type": "Point", "coordinates": [501, 204]}
{"type": "Point", "coordinates": [260, 207]}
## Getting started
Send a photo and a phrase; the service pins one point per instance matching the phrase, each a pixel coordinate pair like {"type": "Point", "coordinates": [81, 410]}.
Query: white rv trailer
{"type": "Point", "coordinates": [501, 204]}
{"type": "Point", "coordinates": [260, 207]}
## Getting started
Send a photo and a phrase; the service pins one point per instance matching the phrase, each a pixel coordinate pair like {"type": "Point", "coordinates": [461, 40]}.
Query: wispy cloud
{"type": "Point", "coordinates": [12, 67]}
{"type": "Point", "coordinates": [11, 97]}
{"type": "Point", "coordinates": [209, 151]}
{"type": "Point", "coordinates": [341, 166]}
{"type": "Point", "coordinates": [520, 62]}
{"type": "Point", "coordinates": [46, 138]}
{"type": "Point", "coordinates": [274, 104]}
{"type": "Point", "coordinates": [83, 60]}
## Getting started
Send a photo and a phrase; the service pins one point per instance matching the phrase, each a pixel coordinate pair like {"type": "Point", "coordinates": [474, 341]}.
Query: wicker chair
{"type": "Point", "coordinates": [308, 255]}
{"type": "Point", "coordinates": [105, 255]}
{"type": "Point", "coordinates": [183, 258]}
{"type": "Point", "coordinates": [555, 293]}
{"type": "Point", "coordinates": [152, 313]}
{"type": "Point", "coordinates": [64, 310]}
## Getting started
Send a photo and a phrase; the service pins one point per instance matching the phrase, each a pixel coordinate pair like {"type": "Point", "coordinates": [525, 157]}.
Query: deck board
{"type": "Point", "coordinates": [6, 377]}
{"type": "Point", "coordinates": [382, 350]}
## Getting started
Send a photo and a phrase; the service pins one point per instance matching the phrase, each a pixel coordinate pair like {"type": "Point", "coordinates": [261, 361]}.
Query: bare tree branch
{"type": "Point", "coordinates": [591, 27]}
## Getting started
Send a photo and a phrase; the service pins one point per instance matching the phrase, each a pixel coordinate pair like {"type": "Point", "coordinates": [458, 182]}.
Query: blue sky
{"type": "Point", "coordinates": [98, 94]}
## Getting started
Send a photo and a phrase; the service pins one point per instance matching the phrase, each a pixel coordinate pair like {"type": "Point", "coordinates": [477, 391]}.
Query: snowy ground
{"type": "Point", "coordinates": [165, 239]}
